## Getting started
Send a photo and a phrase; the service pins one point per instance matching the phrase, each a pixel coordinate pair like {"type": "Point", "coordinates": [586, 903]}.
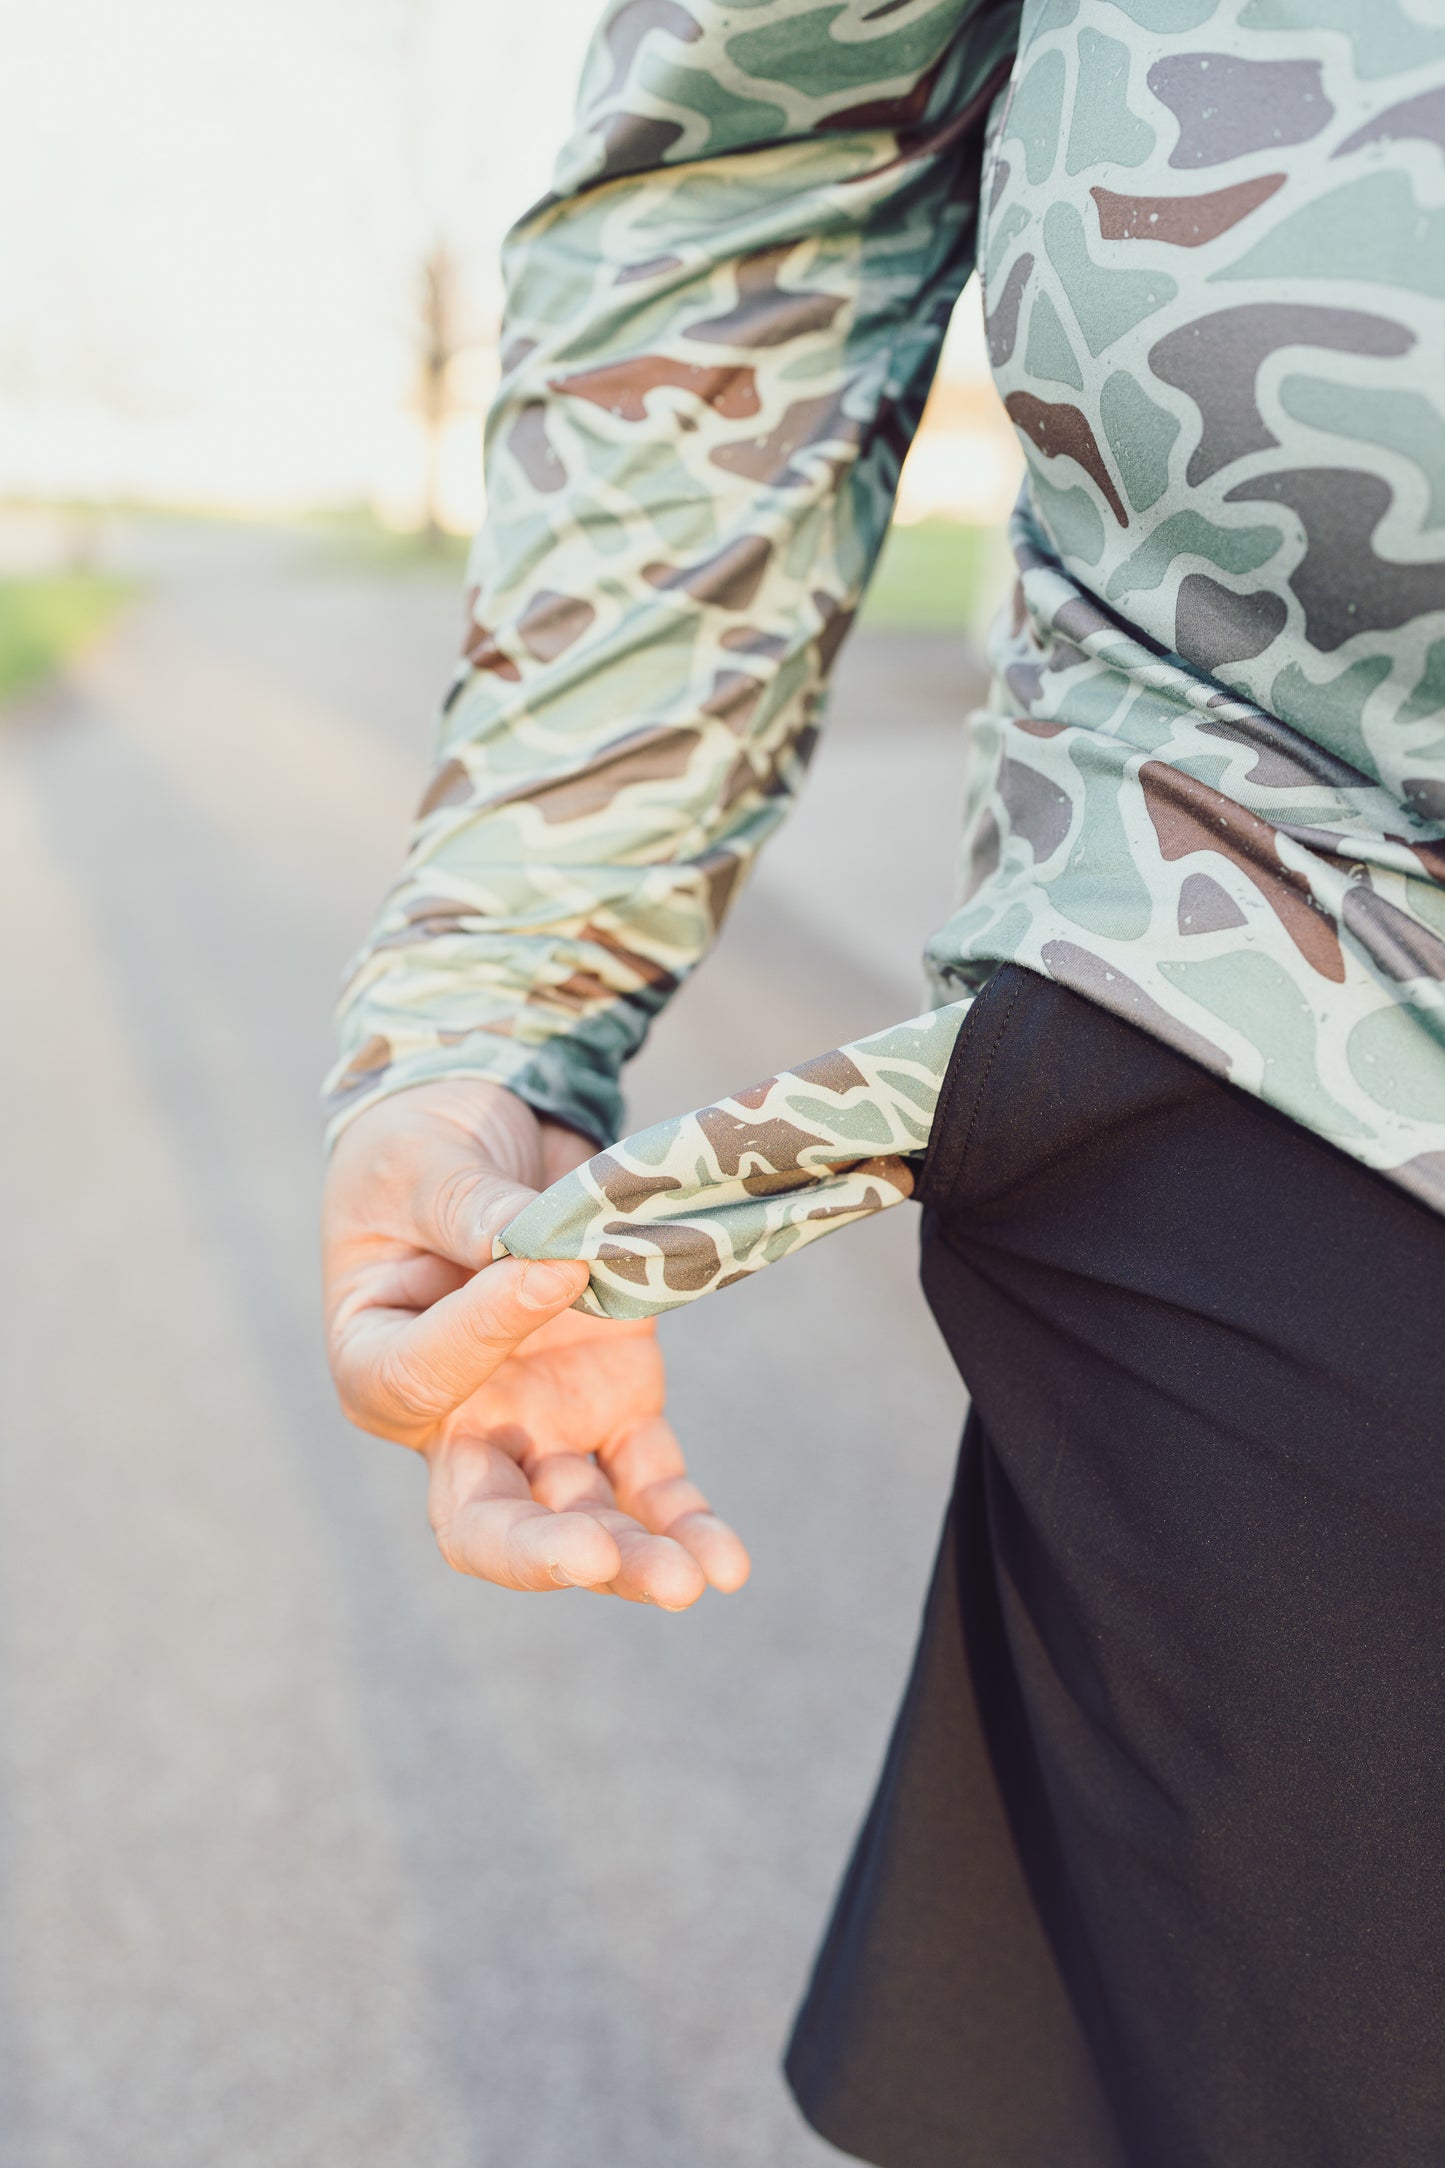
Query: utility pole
{"type": "Point", "coordinates": [439, 344]}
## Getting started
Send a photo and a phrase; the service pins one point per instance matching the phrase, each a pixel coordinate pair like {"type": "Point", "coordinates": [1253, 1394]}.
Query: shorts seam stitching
{"type": "Point", "coordinates": [987, 1071]}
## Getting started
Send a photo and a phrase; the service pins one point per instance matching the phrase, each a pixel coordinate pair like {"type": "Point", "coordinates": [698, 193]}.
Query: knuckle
{"type": "Point", "coordinates": [453, 1206]}
{"type": "Point", "coordinates": [398, 1389]}
{"type": "Point", "coordinates": [467, 1206]}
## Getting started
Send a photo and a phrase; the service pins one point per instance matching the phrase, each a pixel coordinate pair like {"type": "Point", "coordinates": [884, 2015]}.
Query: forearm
{"type": "Point", "coordinates": [714, 371]}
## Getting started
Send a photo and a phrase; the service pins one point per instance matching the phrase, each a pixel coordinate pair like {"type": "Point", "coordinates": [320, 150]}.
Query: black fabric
{"type": "Point", "coordinates": [1155, 1875]}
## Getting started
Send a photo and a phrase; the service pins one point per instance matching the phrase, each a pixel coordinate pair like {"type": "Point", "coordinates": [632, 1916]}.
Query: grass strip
{"type": "Point", "coordinates": [937, 576]}
{"type": "Point", "coordinates": [47, 617]}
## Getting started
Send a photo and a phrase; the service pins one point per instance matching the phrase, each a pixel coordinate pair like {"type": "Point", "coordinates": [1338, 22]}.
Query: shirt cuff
{"type": "Point", "coordinates": [706, 1199]}
{"type": "Point", "coordinates": [562, 1077]}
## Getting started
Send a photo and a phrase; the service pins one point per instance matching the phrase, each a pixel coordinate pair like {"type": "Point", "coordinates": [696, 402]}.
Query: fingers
{"type": "Point", "coordinates": [497, 1531]}
{"type": "Point", "coordinates": [719, 1551]}
{"type": "Point", "coordinates": [651, 1569]}
{"type": "Point", "coordinates": [554, 1521]}
{"type": "Point", "coordinates": [649, 1475]}
{"type": "Point", "coordinates": [654, 1568]}
{"type": "Point", "coordinates": [401, 1373]}
{"type": "Point", "coordinates": [560, 1529]}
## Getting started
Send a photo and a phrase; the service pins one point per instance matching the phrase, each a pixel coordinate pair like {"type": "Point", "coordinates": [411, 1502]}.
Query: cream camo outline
{"type": "Point", "coordinates": [705, 1199]}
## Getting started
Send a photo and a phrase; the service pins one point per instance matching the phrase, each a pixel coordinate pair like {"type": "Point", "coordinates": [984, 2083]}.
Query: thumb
{"type": "Point", "coordinates": [401, 1372]}
{"type": "Point", "coordinates": [462, 1199]}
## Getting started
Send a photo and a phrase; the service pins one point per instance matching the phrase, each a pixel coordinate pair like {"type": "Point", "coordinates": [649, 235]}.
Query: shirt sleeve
{"type": "Point", "coordinates": [704, 1200]}
{"type": "Point", "coordinates": [720, 332]}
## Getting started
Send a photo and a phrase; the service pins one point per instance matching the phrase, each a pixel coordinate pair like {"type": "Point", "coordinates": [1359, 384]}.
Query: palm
{"type": "Point", "coordinates": [572, 1426]}
{"type": "Point", "coordinates": [576, 1386]}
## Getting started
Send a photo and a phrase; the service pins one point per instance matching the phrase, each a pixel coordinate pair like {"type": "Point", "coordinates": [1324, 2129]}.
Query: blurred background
{"type": "Point", "coordinates": [310, 1852]}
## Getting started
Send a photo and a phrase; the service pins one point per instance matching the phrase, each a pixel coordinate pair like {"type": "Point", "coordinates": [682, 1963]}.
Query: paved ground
{"type": "Point", "coordinates": [309, 1852]}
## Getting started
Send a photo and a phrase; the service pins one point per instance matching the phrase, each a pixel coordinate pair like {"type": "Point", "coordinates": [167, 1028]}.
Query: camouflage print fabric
{"type": "Point", "coordinates": [1209, 790]}
{"type": "Point", "coordinates": [721, 330]}
{"type": "Point", "coordinates": [757, 1176]}
{"type": "Point", "coordinates": [1210, 794]}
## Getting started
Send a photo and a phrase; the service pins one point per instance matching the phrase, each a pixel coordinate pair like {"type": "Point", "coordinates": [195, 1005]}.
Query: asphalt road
{"type": "Point", "coordinates": [311, 1853]}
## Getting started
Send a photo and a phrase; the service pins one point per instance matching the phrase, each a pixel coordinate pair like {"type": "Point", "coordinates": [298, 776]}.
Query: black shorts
{"type": "Point", "coordinates": [1155, 1873]}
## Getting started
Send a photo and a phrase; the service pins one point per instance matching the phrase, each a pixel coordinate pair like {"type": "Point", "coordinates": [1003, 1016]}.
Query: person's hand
{"type": "Point", "coordinates": [552, 1464]}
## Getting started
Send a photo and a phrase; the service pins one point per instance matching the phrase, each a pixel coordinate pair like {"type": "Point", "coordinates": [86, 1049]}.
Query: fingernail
{"type": "Point", "coordinates": [544, 1286]}
{"type": "Point", "coordinates": [561, 1576]}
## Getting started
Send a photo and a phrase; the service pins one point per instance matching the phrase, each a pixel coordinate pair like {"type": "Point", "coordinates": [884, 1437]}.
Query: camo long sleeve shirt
{"type": "Point", "coordinates": [1208, 791]}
